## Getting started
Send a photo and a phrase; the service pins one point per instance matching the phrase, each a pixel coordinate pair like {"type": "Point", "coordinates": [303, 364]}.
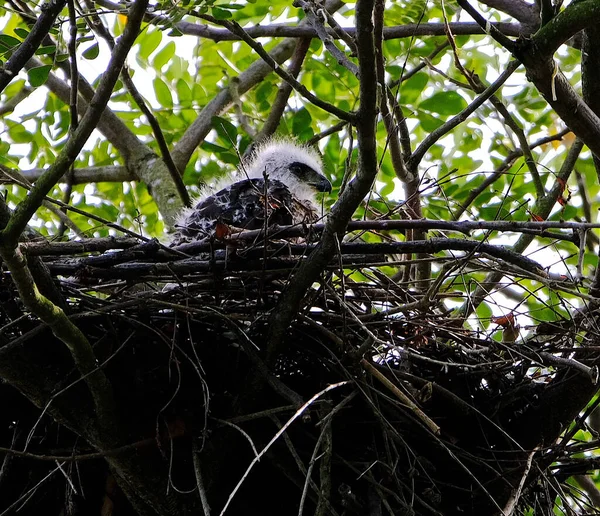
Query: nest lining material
{"type": "Point", "coordinates": [425, 416]}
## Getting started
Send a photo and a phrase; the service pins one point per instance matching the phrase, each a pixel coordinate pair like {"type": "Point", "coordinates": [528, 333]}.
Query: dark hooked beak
{"type": "Point", "coordinates": [322, 185]}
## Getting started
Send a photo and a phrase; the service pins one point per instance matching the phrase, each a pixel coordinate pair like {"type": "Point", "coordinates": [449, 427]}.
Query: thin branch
{"type": "Point", "coordinates": [285, 89]}
{"type": "Point", "coordinates": [81, 176]}
{"type": "Point", "coordinates": [97, 25]}
{"type": "Point", "coordinates": [506, 164]}
{"type": "Point", "coordinates": [511, 505]}
{"type": "Point", "coordinates": [283, 429]}
{"type": "Point", "coordinates": [300, 88]}
{"type": "Point", "coordinates": [405, 400]}
{"type": "Point", "coordinates": [435, 135]}
{"type": "Point", "coordinates": [487, 26]}
{"type": "Point", "coordinates": [317, 24]}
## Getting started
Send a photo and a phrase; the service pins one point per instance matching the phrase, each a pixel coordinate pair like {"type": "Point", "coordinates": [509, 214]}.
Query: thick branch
{"type": "Point", "coordinates": [352, 195]}
{"type": "Point", "coordinates": [526, 13]}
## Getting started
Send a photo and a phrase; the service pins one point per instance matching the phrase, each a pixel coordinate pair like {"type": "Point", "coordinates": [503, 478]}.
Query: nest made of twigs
{"type": "Point", "coordinates": [378, 397]}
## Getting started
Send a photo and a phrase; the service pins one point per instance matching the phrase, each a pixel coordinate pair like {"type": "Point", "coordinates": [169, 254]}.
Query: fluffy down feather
{"type": "Point", "coordinates": [281, 181]}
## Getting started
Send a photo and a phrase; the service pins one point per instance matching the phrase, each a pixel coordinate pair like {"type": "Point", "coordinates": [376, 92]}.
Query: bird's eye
{"type": "Point", "coordinates": [298, 169]}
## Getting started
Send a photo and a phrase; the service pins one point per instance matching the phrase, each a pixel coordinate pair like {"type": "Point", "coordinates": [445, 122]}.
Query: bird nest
{"type": "Point", "coordinates": [380, 399]}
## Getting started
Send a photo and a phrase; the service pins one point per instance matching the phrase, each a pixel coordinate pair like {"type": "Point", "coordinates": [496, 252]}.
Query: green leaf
{"type": "Point", "coordinates": [149, 42]}
{"type": "Point", "coordinates": [225, 129]}
{"type": "Point", "coordinates": [301, 121]}
{"type": "Point", "coordinates": [8, 42]}
{"type": "Point", "coordinates": [22, 33]}
{"type": "Point", "coordinates": [445, 103]}
{"type": "Point", "coordinates": [163, 93]}
{"type": "Point", "coordinates": [221, 14]}
{"type": "Point", "coordinates": [164, 55]}
{"type": "Point", "coordinates": [412, 88]}
{"type": "Point", "coordinates": [42, 51]}
{"type": "Point", "coordinates": [19, 134]}
{"type": "Point", "coordinates": [38, 75]}
{"type": "Point", "coordinates": [92, 52]}
{"type": "Point", "coordinates": [428, 122]}
{"type": "Point", "coordinates": [184, 93]}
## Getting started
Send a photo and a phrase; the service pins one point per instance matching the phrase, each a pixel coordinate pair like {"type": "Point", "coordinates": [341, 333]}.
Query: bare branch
{"type": "Point", "coordinates": [528, 14]}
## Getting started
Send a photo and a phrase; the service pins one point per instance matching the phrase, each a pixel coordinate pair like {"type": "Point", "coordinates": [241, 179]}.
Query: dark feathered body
{"type": "Point", "coordinates": [245, 205]}
{"type": "Point", "coordinates": [282, 180]}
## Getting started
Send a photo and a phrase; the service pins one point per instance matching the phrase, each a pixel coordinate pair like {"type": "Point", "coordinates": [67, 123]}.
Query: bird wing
{"type": "Point", "coordinates": [248, 204]}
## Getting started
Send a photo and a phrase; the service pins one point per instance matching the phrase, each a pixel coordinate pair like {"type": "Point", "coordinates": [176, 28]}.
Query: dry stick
{"type": "Point", "coordinates": [298, 413]}
{"type": "Point", "coordinates": [402, 397]}
{"type": "Point", "coordinates": [511, 505]}
{"type": "Point", "coordinates": [25, 495]}
{"type": "Point", "coordinates": [200, 480]}
{"type": "Point", "coordinates": [81, 457]}
{"type": "Point", "coordinates": [324, 435]}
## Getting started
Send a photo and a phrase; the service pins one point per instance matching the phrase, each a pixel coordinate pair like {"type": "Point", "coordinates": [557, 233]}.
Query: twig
{"type": "Point", "coordinates": [298, 413]}
{"type": "Point", "coordinates": [511, 505]}
{"type": "Point", "coordinates": [300, 88]}
{"type": "Point", "coordinates": [402, 397]}
{"type": "Point", "coordinates": [435, 135]}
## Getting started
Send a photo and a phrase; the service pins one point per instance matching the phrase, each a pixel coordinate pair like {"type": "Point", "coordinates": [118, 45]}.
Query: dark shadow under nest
{"type": "Point", "coordinates": [377, 402]}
